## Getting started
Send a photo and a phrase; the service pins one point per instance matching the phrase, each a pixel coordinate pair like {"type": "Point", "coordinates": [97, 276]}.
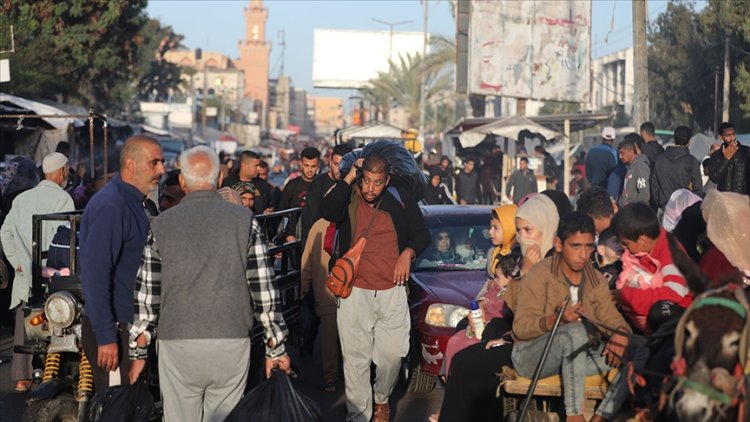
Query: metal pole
{"type": "Point", "coordinates": [566, 158]}
{"type": "Point", "coordinates": [422, 79]}
{"type": "Point", "coordinates": [640, 59]}
{"type": "Point", "coordinates": [716, 103]}
{"type": "Point", "coordinates": [106, 156]}
{"type": "Point", "coordinates": [545, 352]}
{"type": "Point", "coordinates": [725, 104]}
{"type": "Point", "coordinates": [205, 97]}
{"type": "Point", "coordinates": [361, 111]}
{"type": "Point", "coordinates": [91, 143]}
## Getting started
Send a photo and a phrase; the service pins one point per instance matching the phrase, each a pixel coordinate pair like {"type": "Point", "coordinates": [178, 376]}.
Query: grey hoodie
{"type": "Point", "coordinates": [636, 187]}
{"type": "Point", "coordinates": [675, 169]}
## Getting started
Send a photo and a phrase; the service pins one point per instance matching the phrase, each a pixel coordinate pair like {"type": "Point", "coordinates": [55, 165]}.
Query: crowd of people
{"type": "Point", "coordinates": [639, 210]}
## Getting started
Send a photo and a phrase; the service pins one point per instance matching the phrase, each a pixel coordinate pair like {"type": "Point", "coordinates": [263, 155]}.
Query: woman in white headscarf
{"type": "Point", "coordinates": [680, 200]}
{"type": "Point", "coordinates": [536, 226]}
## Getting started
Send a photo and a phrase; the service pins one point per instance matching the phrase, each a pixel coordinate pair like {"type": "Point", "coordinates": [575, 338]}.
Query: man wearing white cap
{"type": "Point", "coordinates": [602, 159]}
{"type": "Point", "coordinates": [47, 197]}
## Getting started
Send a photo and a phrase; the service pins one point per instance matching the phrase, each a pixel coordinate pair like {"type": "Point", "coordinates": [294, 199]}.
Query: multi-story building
{"type": "Point", "coordinates": [279, 96]}
{"type": "Point", "coordinates": [298, 110]}
{"type": "Point", "coordinates": [612, 78]}
{"type": "Point", "coordinates": [329, 114]}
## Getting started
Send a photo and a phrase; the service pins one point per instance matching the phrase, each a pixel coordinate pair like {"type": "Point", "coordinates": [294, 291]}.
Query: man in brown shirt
{"type": "Point", "coordinates": [374, 321]}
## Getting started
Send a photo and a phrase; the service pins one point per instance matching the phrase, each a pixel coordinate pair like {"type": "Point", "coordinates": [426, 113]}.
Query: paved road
{"type": "Point", "coordinates": [406, 407]}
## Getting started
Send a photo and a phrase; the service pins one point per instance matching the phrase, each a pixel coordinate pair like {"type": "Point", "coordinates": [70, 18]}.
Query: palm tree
{"type": "Point", "coordinates": [401, 86]}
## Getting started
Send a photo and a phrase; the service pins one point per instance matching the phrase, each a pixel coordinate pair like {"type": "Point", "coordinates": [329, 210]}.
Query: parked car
{"type": "Point", "coordinates": [445, 278]}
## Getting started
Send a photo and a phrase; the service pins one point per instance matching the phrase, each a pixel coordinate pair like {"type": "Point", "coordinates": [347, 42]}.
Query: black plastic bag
{"type": "Point", "coordinates": [405, 172]}
{"type": "Point", "coordinates": [129, 403]}
{"type": "Point", "coordinates": [275, 400]}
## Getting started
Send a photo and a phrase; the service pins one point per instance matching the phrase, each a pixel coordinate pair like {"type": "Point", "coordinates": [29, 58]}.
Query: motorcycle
{"type": "Point", "coordinates": [53, 325]}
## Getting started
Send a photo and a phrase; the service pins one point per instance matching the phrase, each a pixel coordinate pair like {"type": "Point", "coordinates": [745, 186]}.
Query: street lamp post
{"type": "Point", "coordinates": [361, 108]}
{"type": "Point", "coordinates": [390, 43]}
{"type": "Point", "coordinates": [219, 82]}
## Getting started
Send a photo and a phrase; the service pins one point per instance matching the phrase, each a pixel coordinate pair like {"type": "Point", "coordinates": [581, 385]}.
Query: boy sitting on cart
{"type": "Point", "coordinates": [568, 273]}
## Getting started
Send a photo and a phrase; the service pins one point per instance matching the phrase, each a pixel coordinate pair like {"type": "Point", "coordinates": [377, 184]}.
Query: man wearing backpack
{"type": "Point", "coordinates": [374, 322]}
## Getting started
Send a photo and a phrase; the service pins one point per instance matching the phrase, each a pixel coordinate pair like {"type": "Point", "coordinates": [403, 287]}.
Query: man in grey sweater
{"type": "Point", "coordinates": [205, 272]}
{"type": "Point", "coordinates": [467, 184]}
{"type": "Point", "coordinates": [522, 182]}
{"type": "Point", "coordinates": [636, 187]}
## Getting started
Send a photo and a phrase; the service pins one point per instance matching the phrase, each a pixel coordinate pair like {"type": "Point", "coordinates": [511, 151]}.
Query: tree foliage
{"type": "Point", "coordinates": [686, 48]}
{"type": "Point", "coordinates": [91, 53]}
{"type": "Point", "coordinates": [158, 78]}
{"type": "Point", "coordinates": [401, 86]}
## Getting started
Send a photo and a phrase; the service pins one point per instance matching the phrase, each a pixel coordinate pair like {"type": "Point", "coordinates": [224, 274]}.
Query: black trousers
{"type": "Point", "coordinates": [102, 377]}
{"type": "Point", "coordinates": [470, 393]}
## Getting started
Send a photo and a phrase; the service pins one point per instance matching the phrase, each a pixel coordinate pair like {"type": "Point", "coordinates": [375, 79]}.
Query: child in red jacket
{"type": "Point", "coordinates": [649, 277]}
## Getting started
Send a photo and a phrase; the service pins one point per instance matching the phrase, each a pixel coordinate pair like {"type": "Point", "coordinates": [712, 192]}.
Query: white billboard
{"type": "Point", "coordinates": [350, 58]}
{"type": "Point", "coordinates": [535, 49]}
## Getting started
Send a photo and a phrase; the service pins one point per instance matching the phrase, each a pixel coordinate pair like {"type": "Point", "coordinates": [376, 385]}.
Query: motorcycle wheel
{"type": "Point", "coordinates": [63, 408]}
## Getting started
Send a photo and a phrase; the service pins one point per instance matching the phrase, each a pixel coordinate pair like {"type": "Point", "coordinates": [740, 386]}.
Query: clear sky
{"type": "Point", "coordinates": [219, 25]}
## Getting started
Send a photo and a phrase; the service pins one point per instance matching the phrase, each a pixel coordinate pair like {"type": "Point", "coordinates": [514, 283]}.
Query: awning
{"type": "Point", "coordinates": [507, 127]}
{"type": "Point", "coordinates": [578, 121]}
{"type": "Point", "coordinates": [40, 108]}
{"type": "Point", "coordinates": [370, 131]}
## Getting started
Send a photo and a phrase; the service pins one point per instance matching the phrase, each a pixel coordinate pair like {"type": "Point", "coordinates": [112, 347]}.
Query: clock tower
{"type": "Point", "coordinates": [254, 53]}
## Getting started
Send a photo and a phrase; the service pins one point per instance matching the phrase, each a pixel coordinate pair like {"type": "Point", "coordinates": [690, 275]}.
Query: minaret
{"type": "Point", "coordinates": [254, 53]}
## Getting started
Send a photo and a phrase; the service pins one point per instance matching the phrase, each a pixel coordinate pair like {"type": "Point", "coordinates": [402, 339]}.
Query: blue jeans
{"type": "Point", "coordinates": [573, 372]}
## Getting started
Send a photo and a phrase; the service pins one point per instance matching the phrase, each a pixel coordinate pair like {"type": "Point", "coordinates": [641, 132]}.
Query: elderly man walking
{"type": "Point", "coordinates": [202, 295]}
{"type": "Point", "coordinates": [374, 322]}
{"type": "Point", "coordinates": [47, 197]}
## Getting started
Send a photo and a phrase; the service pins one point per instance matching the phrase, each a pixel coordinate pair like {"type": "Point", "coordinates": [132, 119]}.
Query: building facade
{"type": "Point", "coordinates": [329, 114]}
{"type": "Point", "coordinates": [612, 78]}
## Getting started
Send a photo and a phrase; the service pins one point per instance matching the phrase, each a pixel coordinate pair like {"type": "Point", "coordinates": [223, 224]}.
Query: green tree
{"type": "Point", "coordinates": [158, 78]}
{"type": "Point", "coordinates": [681, 68]}
{"type": "Point", "coordinates": [77, 51]}
{"type": "Point", "coordinates": [686, 49]}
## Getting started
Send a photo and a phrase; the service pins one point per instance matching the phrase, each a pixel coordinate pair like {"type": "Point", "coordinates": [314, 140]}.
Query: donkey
{"type": "Point", "coordinates": [711, 349]}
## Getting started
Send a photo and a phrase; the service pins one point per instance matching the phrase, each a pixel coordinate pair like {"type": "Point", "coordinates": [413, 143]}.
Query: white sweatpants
{"type": "Point", "coordinates": [374, 328]}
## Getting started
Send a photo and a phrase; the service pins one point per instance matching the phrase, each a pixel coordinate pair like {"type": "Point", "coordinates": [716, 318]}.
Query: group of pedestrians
{"type": "Point", "coordinates": [646, 295]}
{"type": "Point", "coordinates": [192, 278]}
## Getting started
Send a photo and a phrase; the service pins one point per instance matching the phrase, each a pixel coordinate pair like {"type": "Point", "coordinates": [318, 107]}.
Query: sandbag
{"type": "Point", "coordinates": [275, 400]}
{"type": "Point", "coordinates": [404, 171]}
{"type": "Point", "coordinates": [129, 403]}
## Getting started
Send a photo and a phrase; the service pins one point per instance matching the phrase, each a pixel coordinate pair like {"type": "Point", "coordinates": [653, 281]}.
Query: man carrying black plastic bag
{"type": "Point", "coordinates": [203, 298]}
{"type": "Point", "coordinates": [275, 400]}
{"type": "Point", "coordinates": [128, 403]}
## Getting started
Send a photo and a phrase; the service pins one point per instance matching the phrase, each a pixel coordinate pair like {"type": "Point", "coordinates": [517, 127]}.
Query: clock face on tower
{"type": "Point", "coordinates": [255, 31]}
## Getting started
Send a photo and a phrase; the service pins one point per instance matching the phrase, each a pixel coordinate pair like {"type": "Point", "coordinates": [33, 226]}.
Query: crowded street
{"type": "Point", "coordinates": [298, 211]}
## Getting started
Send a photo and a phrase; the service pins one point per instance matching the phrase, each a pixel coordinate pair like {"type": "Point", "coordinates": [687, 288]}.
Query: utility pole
{"type": "Point", "coordinates": [725, 104]}
{"type": "Point", "coordinates": [390, 42]}
{"type": "Point", "coordinates": [423, 81]}
{"type": "Point", "coordinates": [282, 43]}
{"type": "Point", "coordinates": [716, 102]}
{"type": "Point", "coordinates": [204, 96]}
{"type": "Point", "coordinates": [640, 59]}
